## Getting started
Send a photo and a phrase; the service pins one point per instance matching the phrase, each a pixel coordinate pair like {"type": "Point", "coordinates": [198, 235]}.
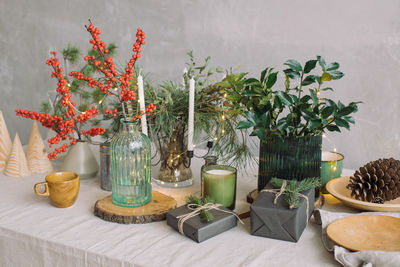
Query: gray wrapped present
{"type": "Point", "coordinates": [187, 221]}
{"type": "Point", "coordinates": [276, 220]}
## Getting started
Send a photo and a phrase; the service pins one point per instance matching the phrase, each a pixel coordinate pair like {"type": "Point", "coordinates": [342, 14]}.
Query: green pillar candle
{"type": "Point", "coordinates": [219, 183]}
{"type": "Point", "coordinates": [331, 167]}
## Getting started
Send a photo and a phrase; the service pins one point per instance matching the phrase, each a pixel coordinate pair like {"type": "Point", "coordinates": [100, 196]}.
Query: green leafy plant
{"type": "Point", "coordinates": [293, 188]}
{"type": "Point", "coordinates": [298, 109]}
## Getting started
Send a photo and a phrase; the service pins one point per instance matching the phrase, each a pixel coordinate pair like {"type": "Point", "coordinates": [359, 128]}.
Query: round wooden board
{"type": "Point", "coordinates": [366, 232]}
{"type": "Point", "coordinates": [151, 212]}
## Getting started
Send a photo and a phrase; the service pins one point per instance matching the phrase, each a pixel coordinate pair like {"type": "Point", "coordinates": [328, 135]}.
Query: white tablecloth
{"type": "Point", "coordinates": [34, 233]}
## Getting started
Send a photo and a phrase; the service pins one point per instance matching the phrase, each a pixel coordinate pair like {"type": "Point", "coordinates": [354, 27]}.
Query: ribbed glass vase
{"type": "Point", "coordinates": [130, 167]}
{"type": "Point", "coordinates": [290, 158]}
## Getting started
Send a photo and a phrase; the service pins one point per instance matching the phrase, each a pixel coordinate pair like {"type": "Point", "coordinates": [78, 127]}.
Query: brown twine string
{"type": "Point", "coordinates": [196, 211]}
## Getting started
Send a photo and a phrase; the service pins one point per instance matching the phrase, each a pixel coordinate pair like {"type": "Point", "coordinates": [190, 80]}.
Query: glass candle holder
{"type": "Point", "coordinates": [331, 167]}
{"type": "Point", "coordinates": [219, 183]}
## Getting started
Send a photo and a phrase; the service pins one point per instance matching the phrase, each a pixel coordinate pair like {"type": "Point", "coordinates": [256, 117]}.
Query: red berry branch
{"type": "Point", "coordinates": [67, 126]}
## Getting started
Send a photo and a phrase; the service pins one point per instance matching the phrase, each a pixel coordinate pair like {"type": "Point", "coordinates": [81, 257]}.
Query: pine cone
{"type": "Point", "coordinates": [377, 181]}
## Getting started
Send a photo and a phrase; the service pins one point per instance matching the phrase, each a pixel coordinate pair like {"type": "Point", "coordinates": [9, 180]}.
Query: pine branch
{"type": "Point", "coordinates": [293, 188]}
{"type": "Point", "coordinates": [205, 215]}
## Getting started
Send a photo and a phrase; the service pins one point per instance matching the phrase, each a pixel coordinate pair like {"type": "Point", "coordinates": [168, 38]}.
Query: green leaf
{"type": "Point", "coordinates": [327, 88]}
{"type": "Point", "coordinates": [332, 66]}
{"type": "Point", "coordinates": [251, 93]}
{"type": "Point", "coordinates": [277, 102]}
{"type": "Point", "coordinates": [342, 123]}
{"type": "Point", "coordinates": [349, 119]}
{"type": "Point", "coordinates": [251, 117]}
{"type": "Point", "coordinates": [292, 74]}
{"type": "Point", "coordinates": [308, 115]}
{"type": "Point", "coordinates": [305, 98]}
{"type": "Point", "coordinates": [310, 65]}
{"type": "Point", "coordinates": [327, 111]}
{"type": "Point", "coordinates": [336, 75]}
{"type": "Point", "coordinates": [321, 62]}
{"type": "Point", "coordinates": [310, 79]}
{"type": "Point", "coordinates": [271, 79]}
{"type": "Point", "coordinates": [326, 77]}
{"type": "Point", "coordinates": [259, 132]}
{"type": "Point", "coordinates": [333, 128]}
{"type": "Point", "coordinates": [263, 73]}
{"type": "Point", "coordinates": [346, 111]}
{"type": "Point", "coordinates": [281, 125]}
{"type": "Point", "coordinates": [244, 125]}
{"type": "Point", "coordinates": [294, 65]}
{"type": "Point", "coordinates": [252, 82]}
{"type": "Point", "coordinates": [314, 124]}
{"type": "Point", "coordinates": [284, 98]}
{"type": "Point", "coordinates": [265, 100]}
{"type": "Point", "coordinates": [314, 96]}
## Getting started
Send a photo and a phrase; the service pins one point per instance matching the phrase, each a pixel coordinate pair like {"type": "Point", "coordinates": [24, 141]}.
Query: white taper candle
{"type": "Point", "coordinates": [142, 105]}
{"type": "Point", "coordinates": [191, 115]}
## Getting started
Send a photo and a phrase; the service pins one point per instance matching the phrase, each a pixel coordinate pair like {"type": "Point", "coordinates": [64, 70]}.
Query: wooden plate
{"type": "Point", "coordinates": [366, 232]}
{"type": "Point", "coordinates": [337, 187]}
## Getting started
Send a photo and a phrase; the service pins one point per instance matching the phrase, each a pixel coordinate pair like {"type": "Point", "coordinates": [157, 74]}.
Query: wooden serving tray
{"type": "Point", "coordinates": [366, 232]}
{"type": "Point", "coordinates": [151, 212]}
{"type": "Point", "coordinates": [337, 187]}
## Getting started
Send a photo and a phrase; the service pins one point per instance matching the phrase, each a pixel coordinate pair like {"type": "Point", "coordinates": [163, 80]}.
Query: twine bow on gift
{"type": "Point", "coordinates": [196, 209]}
{"type": "Point", "coordinates": [282, 191]}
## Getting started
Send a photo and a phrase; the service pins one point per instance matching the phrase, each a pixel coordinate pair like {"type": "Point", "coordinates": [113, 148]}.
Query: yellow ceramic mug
{"type": "Point", "coordinates": [62, 187]}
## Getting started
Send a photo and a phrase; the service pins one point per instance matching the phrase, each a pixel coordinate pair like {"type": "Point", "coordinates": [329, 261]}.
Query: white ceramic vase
{"type": "Point", "coordinates": [80, 159]}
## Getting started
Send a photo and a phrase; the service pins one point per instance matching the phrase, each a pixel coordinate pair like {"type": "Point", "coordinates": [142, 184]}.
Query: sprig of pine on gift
{"type": "Point", "coordinates": [293, 189]}
{"type": "Point", "coordinates": [112, 83]}
{"type": "Point", "coordinates": [205, 215]}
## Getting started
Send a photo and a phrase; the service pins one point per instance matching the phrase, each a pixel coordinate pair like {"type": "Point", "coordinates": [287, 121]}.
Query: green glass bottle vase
{"type": "Point", "coordinates": [130, 166]}
{"type": "Point", "coordinates": [290, 158]}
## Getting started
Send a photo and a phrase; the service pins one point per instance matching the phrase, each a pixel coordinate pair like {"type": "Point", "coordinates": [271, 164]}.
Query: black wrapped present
{"type": "Point", "coordinates": [194, 228]}
{"type": "Point", "coordinates": [278, 221]}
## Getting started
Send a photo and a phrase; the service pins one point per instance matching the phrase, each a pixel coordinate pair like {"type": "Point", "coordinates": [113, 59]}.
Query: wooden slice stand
{"type": "Point", "coordinates": [151, 212]}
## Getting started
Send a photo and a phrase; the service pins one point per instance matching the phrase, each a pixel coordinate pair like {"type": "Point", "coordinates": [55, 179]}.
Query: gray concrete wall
{"type": "Point", "coordinates": [364, 36]}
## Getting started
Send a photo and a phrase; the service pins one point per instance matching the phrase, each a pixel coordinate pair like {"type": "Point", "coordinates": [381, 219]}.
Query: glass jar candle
{"type": "Point", "coordinates": [219, 183]}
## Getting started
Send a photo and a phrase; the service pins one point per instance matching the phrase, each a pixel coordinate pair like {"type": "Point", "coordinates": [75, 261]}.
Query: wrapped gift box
{"type": "Point", "coordinates": [277, 220]}
{"type": "Point", "coordinates": [197, 230]}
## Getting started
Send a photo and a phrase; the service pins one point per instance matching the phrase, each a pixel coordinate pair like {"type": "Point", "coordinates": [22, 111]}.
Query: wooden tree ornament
{"type": "Point", "coordinates": [36, 154]}
{"type": "Point", "coordinates": [5, 143]}
{"type": "Point", "coordinates": [17, 164]}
